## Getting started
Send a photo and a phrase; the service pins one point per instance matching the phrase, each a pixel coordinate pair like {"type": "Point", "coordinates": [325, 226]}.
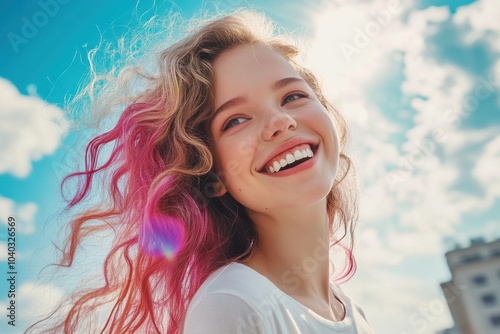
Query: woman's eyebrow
{"type": "Point", "coordinates": [239, 100]}
{"type": "Point", "coordinates": [284, 82]}
{"type": "Point", "coordinates": [234, 102]}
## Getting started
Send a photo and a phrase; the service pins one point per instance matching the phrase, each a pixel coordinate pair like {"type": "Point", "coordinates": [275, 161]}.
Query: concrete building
{"type": "Point", "coordinates": [473, 293]}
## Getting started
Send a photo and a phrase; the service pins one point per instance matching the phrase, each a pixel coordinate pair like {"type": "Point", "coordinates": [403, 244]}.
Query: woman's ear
{"type": "Point", "coordinates": [218, 188]}
{"type": "Point", "coordinates": [214, 185]}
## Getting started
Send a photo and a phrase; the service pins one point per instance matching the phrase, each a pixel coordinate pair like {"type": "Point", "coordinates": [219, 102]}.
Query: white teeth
{"type": "Point", "coordinates": [298, 155]}
{"type": "Point", "coordinates": [290, 158]}
{"type": "Point", "coordinates": [276, 166]}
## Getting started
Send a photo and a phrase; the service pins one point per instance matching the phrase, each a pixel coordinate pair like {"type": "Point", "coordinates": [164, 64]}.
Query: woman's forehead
{"type": "Point", "coordinates": [248, 64]}
{"type": "Point", "coordinates": [242, 58]}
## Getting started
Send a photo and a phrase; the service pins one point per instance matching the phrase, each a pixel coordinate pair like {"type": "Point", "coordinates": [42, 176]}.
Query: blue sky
{"type": "Point", "coordinates": [420, 92]}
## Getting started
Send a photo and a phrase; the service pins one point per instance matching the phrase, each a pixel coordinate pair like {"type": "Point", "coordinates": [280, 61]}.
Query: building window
{"type": "Point", "coordinates": [479, 280]}
{"type": "Point", "coordinates": [471, 258]}
{"type": "Point", "coordinates": [495, 320]}
{"type": "Point", "coordinates": [495, 252]}
{"type": "Point", "coordinates": [489, 299]}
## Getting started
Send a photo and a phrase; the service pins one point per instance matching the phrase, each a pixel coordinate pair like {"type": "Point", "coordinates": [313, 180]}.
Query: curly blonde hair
{"type": "Point", "coordinates": [170, 232]}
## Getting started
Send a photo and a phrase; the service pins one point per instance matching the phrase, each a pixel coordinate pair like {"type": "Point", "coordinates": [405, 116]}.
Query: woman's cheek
{"type": "Point", "coordinates": [247, 147]}
{"type": "Point", "coordinates": [234, 167]}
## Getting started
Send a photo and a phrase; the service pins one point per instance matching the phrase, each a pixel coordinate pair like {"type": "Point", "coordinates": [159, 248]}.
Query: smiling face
{"type": "Point", "coordinates": [274, 143]}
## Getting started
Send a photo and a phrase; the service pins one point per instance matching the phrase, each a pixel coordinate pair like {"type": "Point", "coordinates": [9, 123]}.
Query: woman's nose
{"type": "Point", "coordinates": [278, 124]}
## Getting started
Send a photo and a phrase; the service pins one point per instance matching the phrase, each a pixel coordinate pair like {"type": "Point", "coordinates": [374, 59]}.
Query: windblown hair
{"type": "Point", "coordinates": [170, 231]}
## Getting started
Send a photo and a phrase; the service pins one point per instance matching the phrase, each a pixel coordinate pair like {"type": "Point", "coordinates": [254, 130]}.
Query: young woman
{"type": "Point", "coordinates": [228, 187]}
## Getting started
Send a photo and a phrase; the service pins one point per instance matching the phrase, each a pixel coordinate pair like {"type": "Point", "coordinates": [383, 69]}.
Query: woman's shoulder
{"type": "Point", "coordinates": [233, 298]}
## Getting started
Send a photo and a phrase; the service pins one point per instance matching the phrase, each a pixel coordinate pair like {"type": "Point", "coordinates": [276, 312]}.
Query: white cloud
{"type": "Point", "coordinates": [376, 202]}
{"type": "Point", "coordinates": [345, 75]}
{"type": "Point", "coordinates": [3, 310]}
{"type": "Point", "coordinates": [466, 139]}
{"type": "Point", "coordinates": [482, 18]}
{"type": "Point", "coordinates": [30, 129]}
{"type": "Point", "coordinates": [23, 213]}
{"type": "Point", "coordinates": [38, 299]}
{"type": "Point", "coordinates": [372, 250]}
{"type": "Point", "coordinates": [496, 72]}
{"type": "Point", "coordinates": [486, 169]}
{"type": "Point", "coordinates": [415, 243]}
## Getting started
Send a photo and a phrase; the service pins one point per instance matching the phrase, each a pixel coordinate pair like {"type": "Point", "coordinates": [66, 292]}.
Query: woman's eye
{"type": "Point", "coordinates": [292, 97]}
{"type": "Point", "coordinates": [233, 122]}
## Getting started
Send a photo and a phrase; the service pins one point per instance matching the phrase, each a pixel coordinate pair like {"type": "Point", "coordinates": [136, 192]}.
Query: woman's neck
{"type": "Point", "coordinates": [292, 250]}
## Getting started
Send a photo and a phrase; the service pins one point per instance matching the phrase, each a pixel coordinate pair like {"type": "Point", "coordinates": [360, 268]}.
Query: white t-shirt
{"type": "Point", "coordinates": [236, 299]}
